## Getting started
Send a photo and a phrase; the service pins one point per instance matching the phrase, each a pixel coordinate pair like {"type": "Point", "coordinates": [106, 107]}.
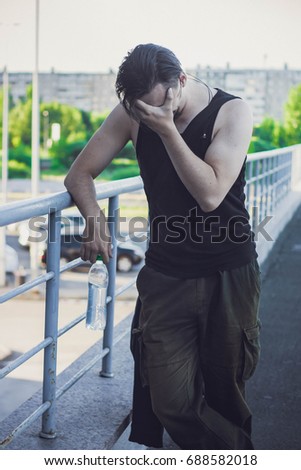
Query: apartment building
{"type": "Point", "coordinates": [266, 90]}
{"type": "Point", "coordinates": [86, 91]}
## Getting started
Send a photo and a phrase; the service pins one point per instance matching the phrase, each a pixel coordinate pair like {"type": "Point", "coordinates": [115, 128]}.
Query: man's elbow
{"type": "Point", "coordinates": [209, 204]}
{"type": "Point", "coordinates": [70, 181]}
{"type": "Point", "coordinates": [67, 182]}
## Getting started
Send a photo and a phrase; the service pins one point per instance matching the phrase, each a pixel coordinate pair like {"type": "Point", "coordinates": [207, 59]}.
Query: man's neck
{"type": "Point", "coordinates": [196, 97]}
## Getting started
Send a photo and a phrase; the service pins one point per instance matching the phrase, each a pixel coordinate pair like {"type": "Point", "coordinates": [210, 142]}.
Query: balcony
{"type": "Point", "coordinates": [88, 404]}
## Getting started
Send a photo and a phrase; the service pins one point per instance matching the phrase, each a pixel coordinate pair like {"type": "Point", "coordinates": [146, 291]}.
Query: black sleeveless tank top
{"type": "Point", "coordinates": [186, 242]}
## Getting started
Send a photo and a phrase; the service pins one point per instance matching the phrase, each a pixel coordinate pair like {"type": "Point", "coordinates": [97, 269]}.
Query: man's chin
{"type": "Point", "coordinates": [176, 113]}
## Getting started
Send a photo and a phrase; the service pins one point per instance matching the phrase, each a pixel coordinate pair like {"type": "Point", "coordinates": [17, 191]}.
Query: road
{"type": "Point", "coordinates": [22, 325]}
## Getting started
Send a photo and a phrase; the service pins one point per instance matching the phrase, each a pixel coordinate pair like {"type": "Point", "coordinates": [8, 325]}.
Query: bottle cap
{"type": "Point", "coordinates": [99, 258]}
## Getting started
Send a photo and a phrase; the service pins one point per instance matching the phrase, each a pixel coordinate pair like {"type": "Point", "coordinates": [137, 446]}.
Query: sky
{"type": "Point", "coordinates": [95, 35]}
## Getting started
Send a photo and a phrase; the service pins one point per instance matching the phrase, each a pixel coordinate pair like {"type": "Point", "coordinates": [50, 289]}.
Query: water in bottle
{"type": "Point", "coordinates": [97, 295]}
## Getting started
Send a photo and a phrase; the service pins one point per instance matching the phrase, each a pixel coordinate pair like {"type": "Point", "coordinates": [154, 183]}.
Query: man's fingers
{"type": "Point", "coordinates": [169, 95]}
{"type": "Point", "coordinates": [89, 252]}
{"type": "Point", "coordinates": [141, 110]}
{"type": "Point", "coordinates": [140, 104]}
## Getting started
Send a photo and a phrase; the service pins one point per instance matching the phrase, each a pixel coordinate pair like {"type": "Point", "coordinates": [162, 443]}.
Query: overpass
{"type": "Point", "coordinates": [82, 408]}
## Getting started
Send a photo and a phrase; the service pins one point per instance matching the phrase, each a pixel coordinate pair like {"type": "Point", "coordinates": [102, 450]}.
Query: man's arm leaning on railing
{"type": "Point", "coordinates": [105, 144]}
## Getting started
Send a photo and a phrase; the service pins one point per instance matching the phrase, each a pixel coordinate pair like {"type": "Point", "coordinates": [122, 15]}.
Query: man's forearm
{"type": "Point", "coordinates": [96, 236]}
{"type": "Point", "coordinates": [82, 190]}
{"type": "Point", "coordinates": [197, 176]}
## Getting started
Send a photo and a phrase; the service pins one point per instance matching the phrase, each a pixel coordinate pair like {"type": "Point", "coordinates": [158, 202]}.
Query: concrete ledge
{"type": "Point", "coordinates": [92, 414]}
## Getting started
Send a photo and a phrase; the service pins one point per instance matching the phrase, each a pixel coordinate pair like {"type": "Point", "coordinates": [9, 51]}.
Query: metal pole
{"type": "Point", "coordinates": [35, 141]}
{"type": "Point", "coordinates": [4, 174]}
{"type": "Point", "coordinates": [35, 173]}
{"type": "Point", "coordinates": [109, 330]}
{"type": "Point", "coordinates": [5, 136]}
{"type": "Point", "coordinates": [51, 323]}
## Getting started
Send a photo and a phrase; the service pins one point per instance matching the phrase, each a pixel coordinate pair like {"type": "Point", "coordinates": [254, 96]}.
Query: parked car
{"type": "Point", "coordinates": [129, 254]}
{"type": "Point", "coordinates": [11, 260]}
{"type": "Point", "coordinates": [36, 228]}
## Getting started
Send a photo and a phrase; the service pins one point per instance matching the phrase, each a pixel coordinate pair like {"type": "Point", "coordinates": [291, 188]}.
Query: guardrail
{"type": "Point", "coordinates": [270, 177]}
{"type": "Point", "coordinates": [16, 212]}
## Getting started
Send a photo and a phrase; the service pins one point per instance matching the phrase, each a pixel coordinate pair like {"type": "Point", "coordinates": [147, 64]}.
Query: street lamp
{"type": "Point", "coordinates": [4, 158]}
{"type": "Point", "coordinates": [35, 141]}
{"type": "Point", "coordinates": [35, 125]}
{"type": "Point", "coordinates": [4, 174]}
{"type": "Point", "coordinates": [45, 131]}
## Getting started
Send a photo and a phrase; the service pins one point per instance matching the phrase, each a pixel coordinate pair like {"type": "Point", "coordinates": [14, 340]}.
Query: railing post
{"type": "Point", "coordinates": [106, 370]}
{"type": "Point", "coordinates": [51, 324]}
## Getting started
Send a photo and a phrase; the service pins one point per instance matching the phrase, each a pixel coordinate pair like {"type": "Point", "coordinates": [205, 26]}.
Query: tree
{"type": "Point", "coordinates": [69, 118]}
{"type": "Point", "coordinates": [293, 116]}
{"type": "Point", "coordinates": [20, 124]}
{"type": "Point", "coordinates": [268, 135]}
{"type": "Point", "coordinates": [97, 119]}
{"type": "Point", "coordinates": [10, 105]}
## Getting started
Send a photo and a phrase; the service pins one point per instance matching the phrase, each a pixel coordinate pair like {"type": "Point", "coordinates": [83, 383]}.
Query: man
{"type": "Point", "coordinates": [199, 290]}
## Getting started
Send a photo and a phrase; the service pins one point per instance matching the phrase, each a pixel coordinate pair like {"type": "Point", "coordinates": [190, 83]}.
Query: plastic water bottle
{"type": "Point", "coordinates": [97, 295]}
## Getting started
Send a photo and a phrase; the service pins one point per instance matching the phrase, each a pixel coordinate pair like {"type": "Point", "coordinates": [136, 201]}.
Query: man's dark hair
{"type": "Point", "coordinates": [142, 69]}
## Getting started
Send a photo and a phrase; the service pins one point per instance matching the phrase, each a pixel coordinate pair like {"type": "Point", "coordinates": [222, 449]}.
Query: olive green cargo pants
{"type": "Point", "coordinates": [199, 344]}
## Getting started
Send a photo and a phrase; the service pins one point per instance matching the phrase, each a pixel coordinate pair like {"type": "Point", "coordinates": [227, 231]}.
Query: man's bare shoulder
{"type": "Point", "coordinates": [235, 109]}
{"type": "Point", "coordinates": [120, 119]}
{"type": "Point", "coordinates": [235, 113]}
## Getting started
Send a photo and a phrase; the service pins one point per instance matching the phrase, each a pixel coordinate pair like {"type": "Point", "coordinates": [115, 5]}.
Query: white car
{"type": "Point", "coordinates": [36, 228]}
{"type": "Point", "coordinates": [11, 260]}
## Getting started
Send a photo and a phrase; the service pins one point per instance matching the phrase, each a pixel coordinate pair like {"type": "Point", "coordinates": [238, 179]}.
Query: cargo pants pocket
{"type": "Point", "coordinates": [139, 355]}
{"type": "Point", "coordinates": [251, 347]}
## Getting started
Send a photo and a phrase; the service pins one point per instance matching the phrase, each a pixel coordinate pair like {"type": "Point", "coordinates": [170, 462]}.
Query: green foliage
{"type": "Point", "coordinates": [293, 116]}
{"type": "Point", "coordinates": [128, 152]}
{"type": "Point", "coordinates": [120, 168]}
{"type": "Point", "coordinates": [86, 119]}
{"type": "Point", "coordinates": [20, 124]}
{"type": "Point", "coordinates": [10, 105]}
{"type": "Point", "coordinates": [64, 152]}
{"type": "Point", "coordinates": [18, 169]}
{"type": "Point", "coordinates": [69, 118]}
{"type": "Point", "coordinates": [268, 135]}
{"type": "Point", "coordinates": [76, 128]}
{"type": "Point", "coordinates": [97, 119]}
{"type": "Point", "coordinates": [259, 145]}
{"type": "Point", "coordinates": [21, 154]}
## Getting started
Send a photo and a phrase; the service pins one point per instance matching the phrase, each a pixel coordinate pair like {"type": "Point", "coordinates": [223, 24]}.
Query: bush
{"type": "Point", "coordinates": [21, 154]}
{"type": "Point", "coordinates": [128, 152]}
{"type": "Point", "coordinates": [259, 145]}
{"type": "Point", "coordinates": [64, 153]}
{"type": "Point", "coordinates": [121, 168]}
{"type": "Point", "coordinates": [18, 169]}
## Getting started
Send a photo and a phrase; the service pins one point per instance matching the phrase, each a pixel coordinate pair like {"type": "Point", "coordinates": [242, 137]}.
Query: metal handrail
{"type": "Point", "coordinates": [52, 205]}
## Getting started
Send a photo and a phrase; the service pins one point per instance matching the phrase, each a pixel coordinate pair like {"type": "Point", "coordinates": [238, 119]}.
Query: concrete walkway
{"type": "Point", "coordinates": [274, 393]}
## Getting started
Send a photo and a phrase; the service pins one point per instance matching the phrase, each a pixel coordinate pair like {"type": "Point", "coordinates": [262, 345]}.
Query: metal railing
{"type": "Point", "coordinates": [16, 212]}
{"type": "Point", "coordinates": [270, 177]}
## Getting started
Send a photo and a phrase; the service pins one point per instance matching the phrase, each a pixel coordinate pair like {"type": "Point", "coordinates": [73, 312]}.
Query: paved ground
{"type": "Point", "coordinates": [275, 390]}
